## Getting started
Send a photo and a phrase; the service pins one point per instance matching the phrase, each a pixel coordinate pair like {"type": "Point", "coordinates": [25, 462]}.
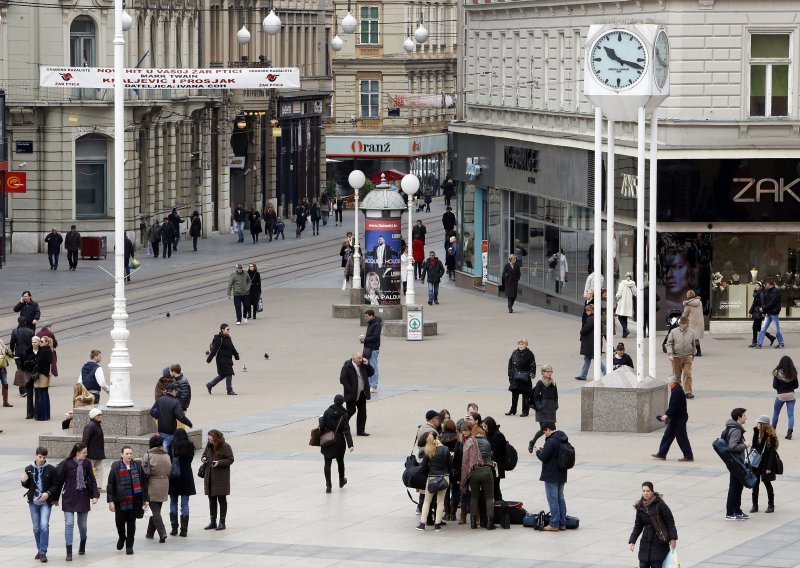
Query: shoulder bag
{"type": "Point", "coordinates": [436, 484]}
{"type": "Point", "coordinates": [201, 472]}
{"type": "Point", "coordinates": [658, 525]}
{"type": "Point", "coordinates": [316, 434]}
{"type": "Point", "coordinates": [328, 439]}
{"type": "Point", "coordinates": [754, 457]}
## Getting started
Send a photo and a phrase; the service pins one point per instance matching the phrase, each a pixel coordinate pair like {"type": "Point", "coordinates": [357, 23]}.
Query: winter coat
{"type": "Point", "coordinates": [781, 384]}
{"type": "Point", "coordinates": [418, 250]}
{"type": "Point", "coordinates": [545, 401]}
{"type": "Point", "coordinates": [73, 501]}
{"type": "Point", "coordinates": [452, 254]}
{"type": "Point", "coordinates": [693, 309]}
{"type": "Point", "coordinates": [184, 485]}
{"type": "Point", "coordinates": [420, 433]}
{"type": "Point", "coordinates": [270, 218]}
{"type": "Point", "coordinates": [757, 304]}
{"type": "Point", "coordinates": [418, 232]}
{"type": "Point", "coordinates": [681, 343]}
{"type": "Point", "coordinates": [498, 443]}
{"type": "Point", "coordinates": [20, 343]}
{"type": "Point", "coordinates": [184, 392]}
{"type": "Point", "coordinates": [154, 234]}
{"type": "Point", "coordinates": [348, 377]}
{"type": "Point", "coordinates": [167, 231]}
{"type": "Point", "coordinates": [677, 411]}
{"type": "Point", "coordinates": [316, 214]}
{"type": "Point", "coordinates": [548, 455]}
{"type": "Point", "coordinates": [255, 223]}
{"type": "Point", "coordinates": [769, 456]}
{"type": "Point", "coordinates": [626, 291]}
{"type": "Point", "coordinates": [449, 221]}
{"type": "Point", "coordinates": [114, 493]}
{"type": "Point", "coordinates": [327, 423]}
{"type": "Point", "coordinates": [217, 481]}
{"type": "Point", "coordinates": [196, 226]}
{"type": "Point", "coordinates": [650, 549]}
{"type": "Point", "coordinates": [734, 434]}
{"type": "Point", "coordinates": [511, 276]}
{"type": "Point", "coordinates": [587, 338]}
{"type": "Point", "coordinates": [41, 363]}
{"type": "Point", "coordinates": [72, 241]}
{"type": "Point", "coordinates": [433, 270]}
{"type": "Point", "coordinates": [222, 348]}
{"type": "Point", "coordinates": [239, 283]}
{"type": "Point", "coordinates": [53, 241]}
{"type": "Point", "coordinates": [94, 439]}
{"type": "Point", "coordinates": [523, 362]}
{"type": "Point", "coordinates": [30, 312]}
{"type": "Point", "coordinates": [440, 464]}
{"type": "Point", "coordinates": [160, 465]}
{"type": "Point", "coordinates": [346, 252]}
{"type": "Point", "coordinates": [50, 482]}
{"type": "Point", "coordinates": [771, 297]}
{"type": "Point", "coordinates": [372, 337]}
{"type": "Point", "coordinates": [255, 283]}
{"type": "Point", "coordinates": [47, 332]}
{"type": "Point", "coordinates": [169, 412]}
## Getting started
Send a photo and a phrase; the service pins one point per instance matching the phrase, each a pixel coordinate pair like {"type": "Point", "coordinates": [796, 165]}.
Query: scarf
{"type": "Point", "coordinates": [37, 479]}
{"type": "Point", "coordinates": [80, 482]}
{"type": "Point", "coordinates": [647, 502]}
{"type": "Point", "coordinates": [470, 460]}
{"type": "Point", "coordinates": [130, 484]}
{"type": "Point", "coordinates": [546, 382]}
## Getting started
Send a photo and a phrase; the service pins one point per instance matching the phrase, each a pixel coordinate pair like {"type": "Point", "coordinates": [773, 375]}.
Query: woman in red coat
{"type": "Point", "coordinates": [418, 254]}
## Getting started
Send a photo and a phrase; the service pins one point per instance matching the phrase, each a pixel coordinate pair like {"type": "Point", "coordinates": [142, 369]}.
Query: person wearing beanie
{"type": "Point", "coordinates": [765, 442]}
{"type": "Point", "coordinates": [675, 418]}
{"type": "Point", "coordinates": [157, 466]}
{"type": "Point", "coordinates": [95, 442]}
{"type": "Point", "coordinates": [336, 419]}
{"type": "Point", "coordinates": [169, 412]}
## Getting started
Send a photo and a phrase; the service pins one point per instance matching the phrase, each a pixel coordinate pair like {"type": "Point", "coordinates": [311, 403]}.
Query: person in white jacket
{"type": "Point", "coordinates": [559, 269]}
{"type": "Point", "coordinates": [626, 291]}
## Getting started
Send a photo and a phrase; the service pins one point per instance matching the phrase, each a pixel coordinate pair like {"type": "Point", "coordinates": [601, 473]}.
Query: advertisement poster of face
{"type": "Point", "coordinates": [684, 264]}
{"type": "Point", "coordinates": [382, 283]}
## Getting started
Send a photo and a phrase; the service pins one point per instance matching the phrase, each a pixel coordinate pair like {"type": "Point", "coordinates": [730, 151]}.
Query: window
{"type": "Point", "coordinates": [82, 50]}
{"type": "Point", "coordinates": [769, 74]}
{"type": "Point", "coordinates": [369, 25]}
{"type": "Point", "coordinates": [370, 99]}
{"type": "Point", "coordinates": [91, 176]}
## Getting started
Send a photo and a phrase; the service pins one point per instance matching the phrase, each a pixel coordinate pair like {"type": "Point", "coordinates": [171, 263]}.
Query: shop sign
{"type": "Point", "coordinates": [485, 261]}
{"type": "Point", "coordinates": [237, 162]}
{"type": "Point", "coordinates": [389, 146]}
{"type": "Point", "coordinates": [523, 159]}
{"type": "Point", "coordinates": [754, 189]}
{"type": "Point", "coordinates": [414, 329]}
{"type": "Point", "coordinates": [359, 147]}
{"type": "Point", "coordinates": [16, 182]}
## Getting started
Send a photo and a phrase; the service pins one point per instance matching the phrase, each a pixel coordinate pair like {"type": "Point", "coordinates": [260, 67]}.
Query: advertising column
{"type": "Point", "coordinates": [382, 285]}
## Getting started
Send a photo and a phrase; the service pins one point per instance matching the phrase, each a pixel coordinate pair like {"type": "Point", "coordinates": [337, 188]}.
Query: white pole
{"type": "Point", "coordinates": [598, 238]}
{"type": "Point", "coordinates": [120, 363]}
{"type": "Point", "coordinates": [409, 259]}
{"type": "Point", "coordinates": [652, 242]}
{"type": "Point", "coordinates": [356, 253]}
{"type": "Point", "coordinates": [641, 139]}
{"type": "Point", "coordinates": [610, 250]}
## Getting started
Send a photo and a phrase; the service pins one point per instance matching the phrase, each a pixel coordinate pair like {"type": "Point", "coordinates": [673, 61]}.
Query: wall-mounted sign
{"type": "Point", "coordinates": [389, 146]}
{"type": "Point", "coordinates": [24, 147]}
{"type": "Point", "coordinates": [237, 162]}
{"type": "Point", "coordinates": [777, 190]}
{"type": "Point", "coordinates": [16, 182]}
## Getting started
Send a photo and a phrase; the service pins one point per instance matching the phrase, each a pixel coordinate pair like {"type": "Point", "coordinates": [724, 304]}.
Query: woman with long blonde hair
{"type": "Point", "coordinates": [765, 441]}
{"type": "Point", "coordinates": [437, 460]}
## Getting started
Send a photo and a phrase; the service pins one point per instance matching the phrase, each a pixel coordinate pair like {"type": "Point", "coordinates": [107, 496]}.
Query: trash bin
{"type": "Point", "coordinates": [93, 247]}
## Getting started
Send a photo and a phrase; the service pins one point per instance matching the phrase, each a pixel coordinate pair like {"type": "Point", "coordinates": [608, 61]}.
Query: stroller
{"type": "Point", "coordinates": [672, 319]}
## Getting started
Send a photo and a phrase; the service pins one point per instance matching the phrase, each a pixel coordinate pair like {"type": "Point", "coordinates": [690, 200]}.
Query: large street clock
{"type": "Point", "coordinates": [619, 59]}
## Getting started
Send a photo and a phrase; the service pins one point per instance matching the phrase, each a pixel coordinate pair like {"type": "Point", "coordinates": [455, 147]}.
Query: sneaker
{"type": "Point", "coordinates": [238, 323]}
{"type": "Point", "coordinates": [438, 527]}
{"type": "Point", "coordinates": [689, 395]}
{"type": "Point", "coordinates": [373, 389]}
{"type": "Point", "coordinates": [731, 518]}
{"type": "Point", "coordinates": [779, 346]}
{"type": "Point", "coordinates": [244, 320]}
{"type": "Point", "coordinates": [742, 517]}
{"type": "Point", "coordinates": [758, 347]}
{"type": "Point", "coordinates": [421, 527]}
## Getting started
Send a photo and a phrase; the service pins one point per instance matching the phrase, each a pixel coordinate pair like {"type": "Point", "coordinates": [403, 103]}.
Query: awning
{"type": "Point", "coordinates": [391, 175]}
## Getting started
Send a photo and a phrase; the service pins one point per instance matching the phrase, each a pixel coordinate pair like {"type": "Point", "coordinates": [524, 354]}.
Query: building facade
{"type": "Point", "coordinates": [728, 157]}
{"type": "Point", "coordinates": [393, 96]}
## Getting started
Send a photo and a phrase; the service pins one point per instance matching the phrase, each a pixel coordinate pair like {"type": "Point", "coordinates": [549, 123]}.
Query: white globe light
{"type": "Point", "coordinates": [272, 24]}
{"type": "Point", "coordinates": [243, 36]}
{"type": "Point", "coordinates": [421, 35]}
{"type": "Point", "coordinates": [349, 23]}
{"type": "Point", "coordinates": [127, 21]}
{"type": "Point", "coordinates": [356, 179]}
{"type": "Point", "coordinates": [337, 43]}
{"type": "Point", "coordinates": [408, 45]}
{"type": "Point", "coordinates": [410, 184]}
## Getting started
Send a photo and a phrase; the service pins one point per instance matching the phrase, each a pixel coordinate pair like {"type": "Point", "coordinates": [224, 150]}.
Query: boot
{"type": "Point", "coordinates": [462, 518]}
{"type": "Point", "coordinates": [789, 434]}
{"type": "Point", "coordinates": [697, 344]}
{"type": "Point", "coordinates": [490, 523]}
{"type": "Point", "coordinates": [221, 525]}
{"type": "Point", "coordinates": [754, 508]}
{"type": "Point", "coordinates": [211, 525]}
{"type": "Point", "coordinates": [473, 522]}
{"type": "Point", "coordinates": [770, 508]}
{"type": "Point", "coordinates": [69, 553]}
{"type": "Point", "coordinates": [173, 520]}
{"type": "Point", "coordinates": [5, 396]}
{"type": "Point", "coordinates": [453, 511]}
{"type": "Point", "coordinates": [184, 524]}
{"type": "Point", "coordinates": [151, 529]}
{"type": "Point", "coordinates": [82, 548]}
{"type": "Point", "coordinates": [506, 520]}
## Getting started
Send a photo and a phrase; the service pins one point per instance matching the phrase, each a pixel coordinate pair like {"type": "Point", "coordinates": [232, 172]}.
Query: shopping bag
{"type": "Point", "coordinates": [147, 513]}
{"type": "Point", "coordinates": [671, 560]}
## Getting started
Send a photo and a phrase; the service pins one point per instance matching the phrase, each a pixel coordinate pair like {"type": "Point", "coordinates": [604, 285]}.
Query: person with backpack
{"type": "Point", "coordinates": [476, 473]}
{"type": "Point", "coordinates": [499, 453]}
{"type": "Point", "coordinates": [734, 436]}
{"type": "Point", "coordinates": [557, 456]}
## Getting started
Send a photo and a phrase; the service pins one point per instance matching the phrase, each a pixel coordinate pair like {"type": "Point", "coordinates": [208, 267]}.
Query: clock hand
{"type": "Point", "coordinates": [630, 64]}
{"type": "Point", "coordinates": [612, 55]}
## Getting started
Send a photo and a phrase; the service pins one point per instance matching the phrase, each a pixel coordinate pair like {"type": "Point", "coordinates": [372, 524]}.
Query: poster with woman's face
{"type": "Point", "coordinates": [684, 263]}
{"type": "Point", "coordinates": [382, 284]}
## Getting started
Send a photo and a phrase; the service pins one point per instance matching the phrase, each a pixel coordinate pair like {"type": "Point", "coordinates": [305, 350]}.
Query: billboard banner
{"type": "Point", "coordinates": [382, 285]}
{"type": "Point", "coordinates": [227, 78]}
{"type": "Point", "coordinates": [415, 100]}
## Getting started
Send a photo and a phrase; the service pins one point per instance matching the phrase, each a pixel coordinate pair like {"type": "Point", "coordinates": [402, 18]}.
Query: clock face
{"type": "Point", "coordinates": [618, 59]}
{"type": "Point", "coordinates": [661, 59]}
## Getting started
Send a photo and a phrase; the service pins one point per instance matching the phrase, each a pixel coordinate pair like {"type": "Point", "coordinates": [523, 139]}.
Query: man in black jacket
{"type": "Point", "coordinates": [771, 309]}
{"type": "Point", "coordinates": [28, 309]}
{"type": "Point", "coordinates": [128, 253]}
{"type": "Point", "coordinates": [95, 442]}
{"type": "Point", "coordinates": [169, 412]}
{"type": "Point", "coordinates": [419, 231]}
{"type": "Point", "coordinates": [20, 345]}
{"type": "Point", "coordinates": [167, 233]}
{"type": "Point", "coordinates": [41, 480]}
{"type": "Point", "coordinates": [676, 418]}
{"type": "Point", "coordinates": [354, 378]}
{"type": "Point", "coordinates": [72, 242]}
{"type": "Point", "coordinates": [372, 345]}
{"type": "Point", "coordinates": [184, 388]}
{"type": "Point", "coordinates": [53, 240]}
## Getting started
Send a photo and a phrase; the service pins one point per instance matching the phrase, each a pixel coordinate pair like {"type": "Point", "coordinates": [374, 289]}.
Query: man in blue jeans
{"type": "Point", "coordinates": [41, 481]}
{"type": "Point", "coordinates": [771, 309]}
{"type": "Point", "coordinates": [553, 476]}
{"type": "Point", "coordinates": [239, 216]}
{"type": "Point", "coordinates": [434, 270]}
{"type": "Point", "coordinates": [587, 344]}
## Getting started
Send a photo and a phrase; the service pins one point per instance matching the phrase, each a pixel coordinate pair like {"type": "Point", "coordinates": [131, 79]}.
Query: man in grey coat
{"type": "Point", "coordinates": [734, 435]}
{"type": "Point", "coordinates": [239, 286]}
{"type": "Point", "coordinates": [681, 350]}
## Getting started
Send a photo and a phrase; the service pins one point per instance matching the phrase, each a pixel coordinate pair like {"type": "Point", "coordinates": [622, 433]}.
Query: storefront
{"type": "Point", "coordinates": [424, 155]}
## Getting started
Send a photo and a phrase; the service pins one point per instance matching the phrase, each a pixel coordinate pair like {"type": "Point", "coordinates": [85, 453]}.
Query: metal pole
{"type": "Point", "coordinates": [652, 248]}
{"type": "Point", "coordinates": [3, 194]}
{"type": "Point", "coordinates": [120, 364]}
{"type": "Point", "coordinates": [598, 239]}
{"type": "Point", "coordinates": [610, 250]}
{"type": "Point", "coordinates": [356, 253]}
{"type": "Point", "coordinates": [409, 258]}
{"type": "Point", "coordinates": [640, 195]}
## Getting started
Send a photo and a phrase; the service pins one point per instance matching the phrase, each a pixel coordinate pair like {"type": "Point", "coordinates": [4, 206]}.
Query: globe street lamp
{"type": "Point", "coordinates": [356, 179]}
{"type": "Point", "coordinates": [410, 186]}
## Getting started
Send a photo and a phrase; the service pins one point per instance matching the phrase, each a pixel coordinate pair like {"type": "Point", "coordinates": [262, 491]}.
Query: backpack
{"type": "Point", "coordinates": [154, 410]}
{"type": "Point", "coordinates": [566, 456]}
{"type": "Point", "coordinates": [511, 457]}
{"type": "Point", "coordinates": [540, 520]}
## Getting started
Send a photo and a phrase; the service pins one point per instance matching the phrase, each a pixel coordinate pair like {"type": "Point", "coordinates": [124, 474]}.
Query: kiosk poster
{"type": "Point", "coordinates": [382, 261]}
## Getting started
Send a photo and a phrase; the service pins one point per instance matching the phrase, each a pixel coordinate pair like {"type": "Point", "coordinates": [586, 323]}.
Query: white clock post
{"type": "Point", "coordinates": [626, 75]}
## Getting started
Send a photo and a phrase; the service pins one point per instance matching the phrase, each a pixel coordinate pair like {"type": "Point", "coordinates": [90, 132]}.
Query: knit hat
{"type": "Point", "coordinates": [430, 415]}
{"type": "Point", "coordinates": [94, 412]}
{"type": "Point", "coordinates": [763, 419]}
{"type": "Point", "coordinates": [156, 441]}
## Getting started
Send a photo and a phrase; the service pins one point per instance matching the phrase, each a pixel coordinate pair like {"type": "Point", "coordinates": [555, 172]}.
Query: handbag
{"type": "Point", "coordinates": [328, 439]}
{"type": "Point", "coordinates": [201, 472]}
{"type": "Point", "coordinates": [21, 378]}
{"type": "Point", "coordinates": [754, 457]}
{"type": "Point", "coordinates": [658, 527]}
{"type": "Point", "coordinates": [175, 471]}
{"type": "Point", "coordinates": [316, 434]}
{"type": "Point", "coordinates": [260, 305]}
{"type": "Point", "coordinates": [436, 484]}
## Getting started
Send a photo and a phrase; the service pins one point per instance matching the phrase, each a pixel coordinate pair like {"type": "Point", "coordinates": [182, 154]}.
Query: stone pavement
{"type": "Point", "coordinates": [279, 514]}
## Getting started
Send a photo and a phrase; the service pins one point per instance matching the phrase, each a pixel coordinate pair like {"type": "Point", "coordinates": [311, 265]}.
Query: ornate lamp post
{"type": "Point", "coordinates": [356, 179]}
{"type": "Point", "coordinates": [410, 186]}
